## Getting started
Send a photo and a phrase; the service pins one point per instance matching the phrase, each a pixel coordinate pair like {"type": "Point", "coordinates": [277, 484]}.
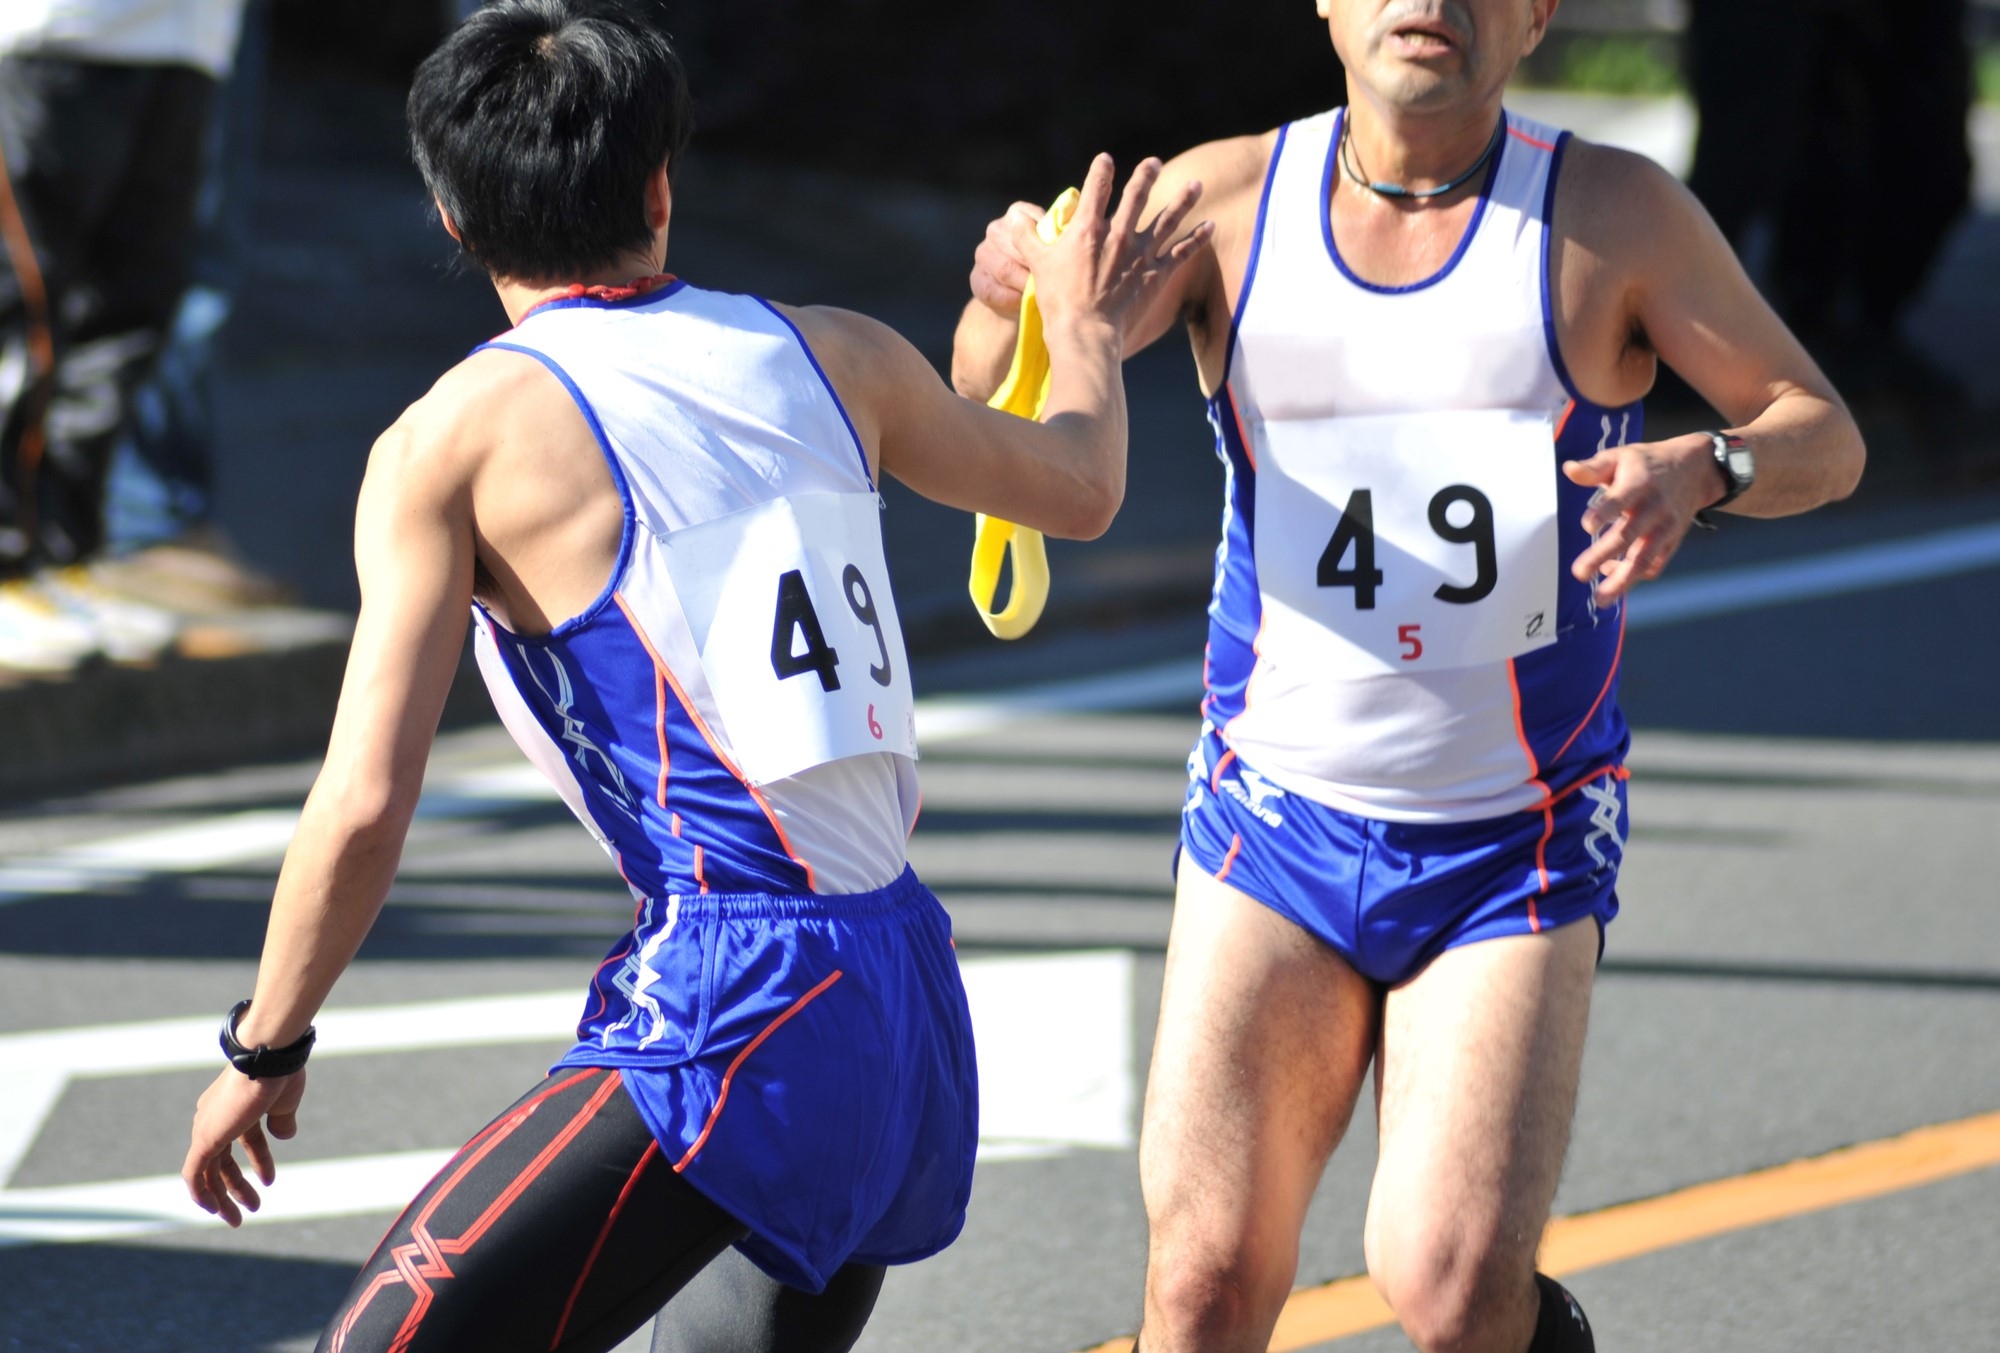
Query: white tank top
{"type": "Point", "coordinates": [1394, 631]}
{"type": "Point", "coordinates": [734, 712]}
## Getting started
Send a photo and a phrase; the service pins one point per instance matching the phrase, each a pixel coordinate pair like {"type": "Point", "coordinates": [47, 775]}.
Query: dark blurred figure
{"type": "Point", "coordinates": [1841, 126]}
{"type": "Point", "coordinates": [160, 503]}
{"type": "Point", "coordinates": [104, 115]}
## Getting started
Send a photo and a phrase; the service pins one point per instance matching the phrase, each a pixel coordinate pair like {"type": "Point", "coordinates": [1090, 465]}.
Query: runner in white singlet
{"type": "Point", "coordinates": [1425, 329]}
{"type": "Point", "coordinates": [660, 504]}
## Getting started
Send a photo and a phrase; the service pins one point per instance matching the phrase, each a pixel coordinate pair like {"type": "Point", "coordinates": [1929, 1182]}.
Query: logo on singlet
{"type": "Point", "coordinates": [563, 699]}
{"type": "Point", "coordinates": [1604, 444]}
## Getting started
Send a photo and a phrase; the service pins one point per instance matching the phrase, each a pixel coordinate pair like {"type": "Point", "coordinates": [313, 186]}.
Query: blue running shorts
{"type": "Point", "coordinates": [1389, 897]}
{"type": "Point", "coordinates": [812, 1073]}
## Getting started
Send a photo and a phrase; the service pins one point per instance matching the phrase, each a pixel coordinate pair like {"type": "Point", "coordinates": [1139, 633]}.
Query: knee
{"type": "Point", "coordinates": [1455, 1296]}
{"type": "Point", "coordinates": [1213, 1295]}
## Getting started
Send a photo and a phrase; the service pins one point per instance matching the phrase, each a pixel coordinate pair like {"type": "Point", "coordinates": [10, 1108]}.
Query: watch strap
{"type": "Point", "coordinates": [263, 1062]}
{"type": "Point", "coordinates": [1733, 485]}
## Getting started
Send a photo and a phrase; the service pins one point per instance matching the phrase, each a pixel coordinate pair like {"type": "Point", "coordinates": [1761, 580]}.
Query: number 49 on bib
{"type": "Point", "coordinates": [789, 605]}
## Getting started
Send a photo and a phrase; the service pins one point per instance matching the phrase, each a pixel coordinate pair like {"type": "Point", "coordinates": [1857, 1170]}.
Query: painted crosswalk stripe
{"type": "Point", "coordinates": [1864, 568]}
{"type": "Point", "coordinates": [241, 838]}
{"type": "Point", "coordinates": [1055, 1075]}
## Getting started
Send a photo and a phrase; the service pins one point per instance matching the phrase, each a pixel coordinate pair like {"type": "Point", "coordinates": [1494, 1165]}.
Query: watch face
{"type": "Point", "coordinates": [1742, 465]}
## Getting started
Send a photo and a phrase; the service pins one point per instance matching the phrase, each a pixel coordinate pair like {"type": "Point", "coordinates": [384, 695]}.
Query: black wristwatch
{"type": "Point", "coordinates": [261, 1062]}
{"type": "Point", "coordinates": [1739, 472]}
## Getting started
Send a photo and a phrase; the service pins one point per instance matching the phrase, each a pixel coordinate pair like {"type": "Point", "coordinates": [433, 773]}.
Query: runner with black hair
{"type": "Point", "coordinates": [660, 504]}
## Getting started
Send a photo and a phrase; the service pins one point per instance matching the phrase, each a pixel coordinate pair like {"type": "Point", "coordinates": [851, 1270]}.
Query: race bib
{"type": "Point", "coordinates": [1407, 542]}
{"type": "Point", "coordinates": [789, 604]}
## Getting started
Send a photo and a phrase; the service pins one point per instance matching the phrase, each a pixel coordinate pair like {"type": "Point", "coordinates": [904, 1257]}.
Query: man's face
{"type": "Point", "coordinates": [1434, 54]}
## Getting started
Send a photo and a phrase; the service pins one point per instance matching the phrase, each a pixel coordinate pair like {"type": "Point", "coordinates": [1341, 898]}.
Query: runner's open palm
{"type": "Point", "coordinates": [1106, 269]}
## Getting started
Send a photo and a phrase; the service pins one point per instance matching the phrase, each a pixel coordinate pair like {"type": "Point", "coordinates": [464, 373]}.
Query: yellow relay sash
{"type": "Point", "coordinates": [1025, 393]}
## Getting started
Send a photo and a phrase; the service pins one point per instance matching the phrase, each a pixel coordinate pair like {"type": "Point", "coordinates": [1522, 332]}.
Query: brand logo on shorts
{"type": "Point", "coordinates": [637, 973]}
{"type": "Point", "coordinates": [1254, 792]}
{"type": "Point", "coordinates": [1604, 820]}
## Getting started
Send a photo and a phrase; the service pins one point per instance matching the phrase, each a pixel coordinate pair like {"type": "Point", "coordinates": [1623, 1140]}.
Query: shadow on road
{"type": "Point", "coordinates": [135, 1299]}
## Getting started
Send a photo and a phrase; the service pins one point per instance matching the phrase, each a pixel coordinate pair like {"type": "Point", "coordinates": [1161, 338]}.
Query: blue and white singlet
{"type": "Point", "coordinates": [733, 713]}
{"type": "Point", "coordinates": [1394, 631]}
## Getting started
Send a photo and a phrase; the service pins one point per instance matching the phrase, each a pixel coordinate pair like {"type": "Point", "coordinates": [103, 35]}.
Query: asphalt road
{"type": "Point", "coordinates": [1809, 954]}
{"type": "Point", "coordinates": [1808, 958]}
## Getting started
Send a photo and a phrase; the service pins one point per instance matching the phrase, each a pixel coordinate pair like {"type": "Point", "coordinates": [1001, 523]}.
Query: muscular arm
{"type": "Point", "coordinates": [1064, 475]}
{"type": "Point", "coordinates": [414, 553]}
{"type": "Point", "coordinates": [414, 550]}
{"type": "Point", "coordinates": [1680, 290]}
{"type": "Point", "coordinates": [1229, 174]}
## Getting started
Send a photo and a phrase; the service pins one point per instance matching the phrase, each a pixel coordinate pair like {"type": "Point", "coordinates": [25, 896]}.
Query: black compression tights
{"type": "Point", "coordinates": [560, 1228]}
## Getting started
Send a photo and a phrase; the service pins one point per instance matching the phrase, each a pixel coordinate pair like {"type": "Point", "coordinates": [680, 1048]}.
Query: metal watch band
{"type": "Point", "coordinates": [263, 1062]}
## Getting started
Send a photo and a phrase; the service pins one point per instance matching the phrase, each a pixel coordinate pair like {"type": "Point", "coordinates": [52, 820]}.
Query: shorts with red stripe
{"type": "Point", "coordinates": [806, 1062]}
{"type": "Point", "coordinates": [1389, 897]}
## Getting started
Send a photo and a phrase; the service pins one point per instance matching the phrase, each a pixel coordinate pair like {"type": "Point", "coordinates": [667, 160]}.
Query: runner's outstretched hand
{"type": "Point", "coordinates": [1102, 268]}
{"type": "Point", "coordinates": [1647, 495]}
{"type": "Point", "coordinates": [235, 1109]}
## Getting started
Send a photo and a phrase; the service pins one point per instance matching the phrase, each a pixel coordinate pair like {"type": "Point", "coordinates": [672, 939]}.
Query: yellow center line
{"type": "Point", "coordinates": [1315, 1315]}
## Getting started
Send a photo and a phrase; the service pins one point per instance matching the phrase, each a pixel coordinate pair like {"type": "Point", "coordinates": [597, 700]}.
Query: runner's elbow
{"type": "Point", "coordinates": [1849, 464]}
{"type": "Point", "coordinates": [1092, 508]}
{"type": "Point", "coordinates": [363, 809]}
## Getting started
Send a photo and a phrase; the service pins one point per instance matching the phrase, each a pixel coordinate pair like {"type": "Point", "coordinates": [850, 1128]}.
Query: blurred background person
{"type": "Point", "coordinates": [161, 537]}
{"type": "Point", "coordinates": [105, 111]}
{"type": "Point", "coordinates": [1833, 152]}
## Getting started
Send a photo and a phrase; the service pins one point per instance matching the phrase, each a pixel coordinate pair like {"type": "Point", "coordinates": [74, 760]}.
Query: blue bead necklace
{"type": "Point", "coordinates": [1354, 171]}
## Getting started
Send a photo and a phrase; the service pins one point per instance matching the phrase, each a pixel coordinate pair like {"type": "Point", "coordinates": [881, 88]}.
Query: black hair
{"type": "Point", "coordinates": [537, 123]}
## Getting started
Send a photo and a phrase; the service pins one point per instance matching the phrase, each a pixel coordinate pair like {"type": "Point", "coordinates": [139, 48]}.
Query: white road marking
{"type": "Point", "coordinates": [305, 1191]}
{"type": "Point", "coordinates": [243, 838]}
{"type": "Point", "coordinates": [1865, 568]}
{"type": "Point", "coordinates": [1055, 1049]}
{"type": "Point", "coordinates": [1055, 1074]}
{"type": "Point", "coordinates": [121, 860]}
{"type": "Point", "coordinates": [240, 838]}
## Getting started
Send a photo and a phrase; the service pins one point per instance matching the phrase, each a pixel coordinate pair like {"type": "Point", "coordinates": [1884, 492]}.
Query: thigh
{"type": "Point", "coordinates": [736, 1307]}
{"type": "Point", "coordinates": [1263, 1041]}
{"type": "Point", "coordinates": [1475, 1084]}
{"type": "Point", "coordinates": [559, 1228]}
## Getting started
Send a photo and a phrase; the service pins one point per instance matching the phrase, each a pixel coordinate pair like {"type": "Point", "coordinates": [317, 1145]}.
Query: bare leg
{"type": "Point", "coordinates": [1264, 1038]}
{"type": "Point", "coordinates": [1476, 1082]}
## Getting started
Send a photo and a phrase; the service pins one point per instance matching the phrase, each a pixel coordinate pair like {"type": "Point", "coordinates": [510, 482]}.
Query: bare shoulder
{"type": "Point", "coordinates": [873, 369]}
{"type": "Point", "coordinates": [1231, 170]}
{"type": "Point", "coordinates": [1624, 206]}
{"type": "Point", "coordinates": [856, 351]}
{"type": "Point", "coordinates": [491, 397]}
{"type": "Point", "coordinates": [834, 333]}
